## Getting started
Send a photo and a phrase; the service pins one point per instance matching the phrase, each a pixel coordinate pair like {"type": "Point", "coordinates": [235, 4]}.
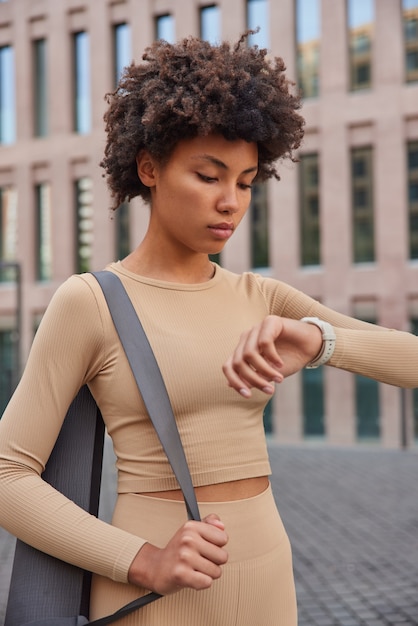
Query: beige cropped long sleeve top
{"type": "Point", "coordinates": [192, 330]}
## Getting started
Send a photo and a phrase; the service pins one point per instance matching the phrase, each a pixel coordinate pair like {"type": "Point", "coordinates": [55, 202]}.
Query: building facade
{"type": "Point", "coordinates": [341, 225]}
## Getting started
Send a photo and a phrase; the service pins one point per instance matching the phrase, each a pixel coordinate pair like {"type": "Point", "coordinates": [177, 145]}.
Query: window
{"type": "Point", "coordinates": [367, 403]}
{"type": "Point", "coordinates": [7, 96]}
{"type": "Point", "coordinates": [360, 16]}
{"type": "Point", "coordinates": [308, 33]}
{"type": "Point", "coordinates": [84, 224]}
{"type": "Point", "coordinates": [362, 205]}
{"type": "Point", "coordinates": [82, 99]}
{"type": "Point", "coordinates": [412, 160]}
{"type": "Point", "coordinates": [122, 231]}
{"type": "Point", "coordinates": [410, 23]}
{"type": "Point", "coordinates": [122, 49]}
{"type": "Point", "coordinates": [122, 58]}
{"type": "Point", "coordinates": [268, 417]}
{"type": "Point", "coordinates": [210, 24]}
{"type": "Point", "coordinates": [258, 17]}
{"type": "Point", "coordinates": [415, 391]}
{"type": "Point", "coordinates": [40, 88]}
{"type": "Point", "coordinates": [8, 231]}
{"type": "Point", "coordinates": [367, 408]}
{"type": "Point", "coordinates": [313, 402]}
{"type": "Point", "coordinates": [43, 232]}
{"type": "Point", "coordinates": [165, 28]}
{"type": "Point", "coordinates": [10, 333]}
{"type": "Point", "coordinates": [309, 210]}
{"type": "Point", "coordinates": [259, 226]}
{"type": "Point", "coordinates": [7, 368]}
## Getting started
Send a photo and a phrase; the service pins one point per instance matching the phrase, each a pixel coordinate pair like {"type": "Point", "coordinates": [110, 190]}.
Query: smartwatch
{"type": "Point", "coordinates": [328, 341]}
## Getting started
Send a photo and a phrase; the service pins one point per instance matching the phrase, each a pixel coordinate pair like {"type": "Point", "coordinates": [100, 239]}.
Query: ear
{"type": "Point", "coordinates": [147, 168]}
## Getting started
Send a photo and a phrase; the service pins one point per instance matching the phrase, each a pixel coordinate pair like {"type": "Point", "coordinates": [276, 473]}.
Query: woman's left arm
{"type": "Point", "coordinates": [387, 355]}
{"type": "Point", "coordinates": [280, 346]}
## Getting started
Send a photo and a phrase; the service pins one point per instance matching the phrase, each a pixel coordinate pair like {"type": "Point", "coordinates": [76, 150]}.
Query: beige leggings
{"type": "Point", "coordinates": [255, 589]}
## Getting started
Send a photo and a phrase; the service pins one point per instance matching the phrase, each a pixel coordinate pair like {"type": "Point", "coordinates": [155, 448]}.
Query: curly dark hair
{"type": "Point", "coordinates": [193, 88]}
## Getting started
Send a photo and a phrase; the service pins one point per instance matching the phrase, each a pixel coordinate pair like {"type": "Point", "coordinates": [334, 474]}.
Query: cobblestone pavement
{"type": "Point", "coordinates": [352, 517]}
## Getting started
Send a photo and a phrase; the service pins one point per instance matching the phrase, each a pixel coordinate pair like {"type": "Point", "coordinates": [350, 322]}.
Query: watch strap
{"type": "Point", "coordinates": [328, 341]}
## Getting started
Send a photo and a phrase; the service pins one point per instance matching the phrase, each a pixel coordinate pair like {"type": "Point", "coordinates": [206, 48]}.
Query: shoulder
{"type": "Point", "coordinates": [79, 293]}
{"type": "Point", "coordinates": [273, 291]}
{"type": "Point", "coordinates": [76, 315]}
{"type": "Point", "coordinates": [82, 286]}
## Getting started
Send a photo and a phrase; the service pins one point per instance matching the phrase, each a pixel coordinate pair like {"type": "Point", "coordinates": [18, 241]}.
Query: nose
{"type": "Point", "coordinates": [228, 203]}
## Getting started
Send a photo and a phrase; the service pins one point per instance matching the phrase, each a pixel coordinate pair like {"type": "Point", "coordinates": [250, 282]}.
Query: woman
{"type": "Point", "coordinates": [189, 130]}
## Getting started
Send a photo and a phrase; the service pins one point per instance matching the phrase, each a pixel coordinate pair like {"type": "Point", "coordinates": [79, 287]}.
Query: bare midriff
{"type": "Point", "coordinates": [221, 492]}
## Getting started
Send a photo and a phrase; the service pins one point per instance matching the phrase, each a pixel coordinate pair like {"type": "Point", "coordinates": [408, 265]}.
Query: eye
{"type": "Point", "coordinates": [206, 179]}
{"type": "Point", "coordinates": [245, 187]}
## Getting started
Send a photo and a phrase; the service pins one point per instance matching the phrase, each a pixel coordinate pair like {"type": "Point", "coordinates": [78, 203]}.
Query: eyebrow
{"type": "Point", "coordinates": [221, 164]}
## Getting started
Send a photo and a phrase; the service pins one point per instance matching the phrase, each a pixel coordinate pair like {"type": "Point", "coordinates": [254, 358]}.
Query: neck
{"type": "Point", "coordinates": [198, 269]}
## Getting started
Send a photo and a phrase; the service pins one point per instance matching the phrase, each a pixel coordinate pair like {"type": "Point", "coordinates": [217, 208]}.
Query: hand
{"type": "Point", "coordinates": [192, 558]}
{"type": "Point", "coordinates": [269, 352]}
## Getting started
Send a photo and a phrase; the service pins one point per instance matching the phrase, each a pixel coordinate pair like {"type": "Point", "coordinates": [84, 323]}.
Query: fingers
{"type": "Point", "coordinates": [192, 558]}
{"type": "Point", "coordinates": [214, 520]}
{"type": "Point", "coordinates": [256, 361]}
{"type": "Point", "coordinates": [201, 555]}
{"type": "Point", "coordinates": [275, 348]}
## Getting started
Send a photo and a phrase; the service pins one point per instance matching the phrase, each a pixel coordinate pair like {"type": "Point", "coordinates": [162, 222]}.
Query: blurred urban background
{"type": "Point", "coordinates": [341, 225]}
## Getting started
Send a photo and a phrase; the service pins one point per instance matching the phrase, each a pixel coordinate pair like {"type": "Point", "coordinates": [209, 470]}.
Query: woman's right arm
{"type": "Point", "coordinates": [67, 351]}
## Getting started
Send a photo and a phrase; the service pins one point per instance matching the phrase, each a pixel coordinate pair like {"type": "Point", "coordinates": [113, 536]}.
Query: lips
{"type": "Point", "coordinates": [223, 230]}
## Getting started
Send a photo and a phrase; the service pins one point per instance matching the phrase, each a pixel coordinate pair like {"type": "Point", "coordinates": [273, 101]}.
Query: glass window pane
{"type": "Point", "coordinates": [362, 74]}
{"type": "Point", "coordinates": [414, 325]}
{"type": "Point", "coordinates": [7, 96]}
{"type": "Point", "coordinates": [259, 227]}
{"type": "Point", "coordinates": [268, 417]}
{"type": "Point", "coordinates": [43, 232]}
{"type": "Point", "coordinates": [360, 17]}
{"type": "Point", "coordinates": [411, 29]}
{"type": "Point", "coordinates": [412, 182]}
{"type": "Point", "coordinates": [216, 258]}
{"type": "Point", "coordinates": [84, 224]}
{"type": "Point", "coordinates": [7, 367]}
{"type": "Point", "coordinates": [313, 402]}
{"type": "Point", "coordinates": [367, 405]}
{"type": "Point", "coordinates": [412, 62]}
{"type": "Point", "coordinates": [8, 231]}
{"type": "Point", "coordinates": [122, 48]}
{"type": "Point", "coordinates": [40, 87]}
{"type": "Point", "coordinates": [210, 24]}
{"type": "Point", "coordinates": [258, 17]}
{"type": "Point", "coordinates": [360, 197]}
{"type": "Point", "coordinates": [410, 23]}
{"type": "Point", "coordinates": [413, 192]}
{"type": "Point", "coordinates": [362, 205]}
{"type": "Point", "coordinates": [359, 164]}
{"type": "Point", "coordinates": [165, 28]}
{"type": "Point", "coordinates": [308, 33]}
{"type": "Point", "coordinates": [122, 231]}
{"type": "Point", "coordinates": [309, 211]}
{"type": "Point", "coordinates": [82, 122]}
{"type": "Point", "coordinates": [413, 156]}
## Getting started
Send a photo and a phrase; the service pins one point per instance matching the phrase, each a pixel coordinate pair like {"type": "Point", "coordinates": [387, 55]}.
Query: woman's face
{"type": "Point", "coordinates": [201, 194]}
